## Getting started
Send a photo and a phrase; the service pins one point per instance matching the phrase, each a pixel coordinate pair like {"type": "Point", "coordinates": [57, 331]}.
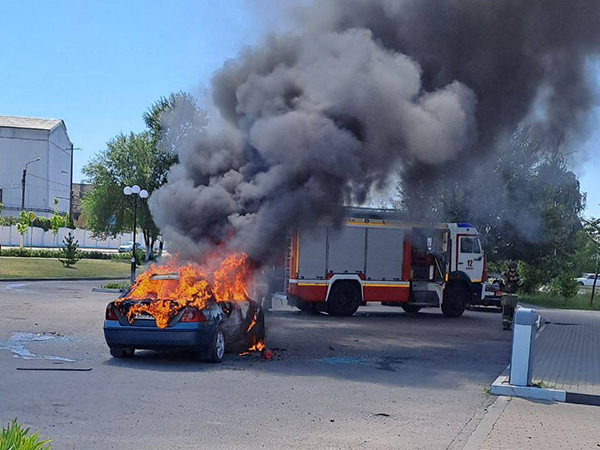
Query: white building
{"type": "Point", "coordinates": [44, 146]}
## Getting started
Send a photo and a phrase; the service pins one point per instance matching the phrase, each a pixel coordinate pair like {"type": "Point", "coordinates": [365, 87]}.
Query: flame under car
{"type": "Point", "coordinates": [208, 327]}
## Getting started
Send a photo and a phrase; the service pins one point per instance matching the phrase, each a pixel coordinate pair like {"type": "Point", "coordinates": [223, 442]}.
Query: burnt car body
{"type": "Point", "coordinates": [209, 331]}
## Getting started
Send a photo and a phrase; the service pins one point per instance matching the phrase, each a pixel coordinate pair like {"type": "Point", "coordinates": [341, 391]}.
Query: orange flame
{"type": "Point", "coordinates": [161, 296]}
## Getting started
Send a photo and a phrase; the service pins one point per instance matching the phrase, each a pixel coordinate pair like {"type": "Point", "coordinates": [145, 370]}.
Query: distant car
{"type": "Point", "coordinates": [209, 331]}
{"type": "Point", "coordinates": [493, 292]}
{"type": "Point", "coordinates": [588, 280]}
{"type": "Point", "coordinates": [128, 246]}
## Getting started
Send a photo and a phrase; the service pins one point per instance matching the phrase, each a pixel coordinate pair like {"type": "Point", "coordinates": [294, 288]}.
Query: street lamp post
{"type": "Point", "coordinates": [23, 181]}
{"type": "Point", "coordinates": [141, 193]}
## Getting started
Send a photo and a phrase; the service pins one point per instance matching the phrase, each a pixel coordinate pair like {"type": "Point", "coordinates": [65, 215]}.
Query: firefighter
{"type": "Point", "coordinates": [512, 281]}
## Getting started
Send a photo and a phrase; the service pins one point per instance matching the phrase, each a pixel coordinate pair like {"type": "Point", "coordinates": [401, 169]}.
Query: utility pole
{"type": "Point", "coordinates": [23, 181]}
{"type": "Point", "coordinates": [595, 280]}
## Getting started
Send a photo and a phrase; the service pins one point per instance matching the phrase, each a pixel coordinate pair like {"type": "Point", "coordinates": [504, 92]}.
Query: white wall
{"type": "Point", "coordinates": [45, 180]}
{"type": "Point", "coordinates": [9, 236]}
{"type": "Point", "coordinates": [59, 168]}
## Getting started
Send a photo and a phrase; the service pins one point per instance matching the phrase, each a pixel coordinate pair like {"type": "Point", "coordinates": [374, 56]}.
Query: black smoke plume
{"type": "Point", "coordinates": [325, 115]}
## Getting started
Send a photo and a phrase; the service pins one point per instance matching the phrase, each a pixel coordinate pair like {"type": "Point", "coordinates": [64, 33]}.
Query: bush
{"type": "Point", "coordinates": [8, 221]}
{"type": "Point", "coordinates": [42, 222]}
{"type": "Point", "coordinates": [121, 256]}
{"type": "Point", "coordinates": [15, 437]}
{"type": "Point", "coordinates": [123, 286]}
{"type": "Point", "coordinates": [564, 286]}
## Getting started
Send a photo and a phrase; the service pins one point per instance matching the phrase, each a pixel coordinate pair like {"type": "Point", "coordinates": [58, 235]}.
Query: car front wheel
{"type": "Point", "coordinates": [217, 350]}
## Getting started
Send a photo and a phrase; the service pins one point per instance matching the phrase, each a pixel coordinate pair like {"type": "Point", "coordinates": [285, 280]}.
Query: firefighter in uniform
{"type": "Point", "coordinates": [512, 281]}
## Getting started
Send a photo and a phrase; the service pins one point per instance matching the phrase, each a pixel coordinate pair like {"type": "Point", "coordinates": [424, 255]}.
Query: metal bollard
{"type": "Point", "coordinates": [525, 326]}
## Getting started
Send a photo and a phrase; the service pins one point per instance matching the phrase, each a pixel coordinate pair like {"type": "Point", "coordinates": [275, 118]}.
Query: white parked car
{"type": "Point", "coordinates": [127, 246]}
{"type": "Point", "coordinates": [588, 280]}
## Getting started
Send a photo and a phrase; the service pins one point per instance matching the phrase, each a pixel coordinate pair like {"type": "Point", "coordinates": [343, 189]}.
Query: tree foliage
{"type": "Point", "coordinates": [525, 201]}
{"type": "Point", "coordinates": [70, 251]}
{"type": "Point", "coordinates": [138, 158]}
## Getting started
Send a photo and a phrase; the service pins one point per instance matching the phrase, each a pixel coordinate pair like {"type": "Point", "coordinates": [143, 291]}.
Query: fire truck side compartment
{"type": "Point", "coordinates": [377, 252]}
{"type": "Point", "coordinates": [346, 250]}
{"type": "Point", "coordinates": [385, 254]}
{"type": "Point", "coordinates": [312, 251]}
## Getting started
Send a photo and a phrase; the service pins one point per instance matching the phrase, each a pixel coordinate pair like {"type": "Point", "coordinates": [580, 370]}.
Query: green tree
{"type": "Point", "coordinates": [565, 286]}
{"type": "Point", "coordinates": [70, 251]}
{"type": "Point", "coordinates": [57, 221]}
{"type": "Point", "coordinates": [525, 201]}
{"type": "Point", "coordinates": [138, 158]}
{"type": "Point", "coordinates": [26, 219]}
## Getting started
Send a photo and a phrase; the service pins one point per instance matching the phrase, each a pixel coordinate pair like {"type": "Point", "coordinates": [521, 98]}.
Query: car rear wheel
{"type": "Point", "coordinates": [344, 299]}
{"type": "Point", "coordinates": [217, 350]}
{"type": "Point", "coordinates": [411, 309]}
{"type": "Point", "coordinates": [122, 352]}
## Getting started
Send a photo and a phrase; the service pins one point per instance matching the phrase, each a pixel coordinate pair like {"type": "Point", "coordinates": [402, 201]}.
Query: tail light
{"type": "Point", "coordinates": [110, 313]}
{"type": "Point", "coordinates": [192, 315]}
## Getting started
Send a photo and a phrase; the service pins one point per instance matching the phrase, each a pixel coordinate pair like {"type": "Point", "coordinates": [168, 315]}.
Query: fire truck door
{"type": "Point", "coordinates": [470, 257]}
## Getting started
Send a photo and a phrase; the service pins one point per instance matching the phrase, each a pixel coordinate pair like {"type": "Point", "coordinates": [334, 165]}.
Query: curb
{"type": "Point", "coordinates": [107, 291]}
{"type": "Point", "coordinates": [17, 280]}
{"type": "Point", "coordinates": [502, 387]}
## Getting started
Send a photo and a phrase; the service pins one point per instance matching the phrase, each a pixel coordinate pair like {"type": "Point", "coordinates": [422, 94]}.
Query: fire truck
{"type": "Point", "coordinates": [375, 256]}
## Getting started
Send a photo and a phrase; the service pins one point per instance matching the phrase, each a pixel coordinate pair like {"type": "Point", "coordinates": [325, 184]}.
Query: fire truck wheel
{"type": "Point", "coordinates": [217, 350]}
{"type": "Point", "coordinates": [411, 309]}
{"type": "Point", "coordinates": [455, 300]}
{"type": "Point", "coordinates": [344, 299]}
{"type": "Point", "coordinates": [302, 305]}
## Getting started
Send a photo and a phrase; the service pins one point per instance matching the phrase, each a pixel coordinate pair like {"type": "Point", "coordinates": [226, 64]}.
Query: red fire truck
{"type": "Point", "coordinates": [376, 257]}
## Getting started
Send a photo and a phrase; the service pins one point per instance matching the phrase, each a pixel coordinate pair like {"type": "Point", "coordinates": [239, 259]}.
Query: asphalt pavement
{"type": "Point", "coordinates": [381, 379]}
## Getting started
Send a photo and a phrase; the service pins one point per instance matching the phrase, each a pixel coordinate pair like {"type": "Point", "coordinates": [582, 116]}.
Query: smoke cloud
{"type": "Point", "coordinates": [324, 116]}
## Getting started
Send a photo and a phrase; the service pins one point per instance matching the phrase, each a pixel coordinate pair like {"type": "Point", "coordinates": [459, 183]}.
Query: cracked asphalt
{"type": "Point", "coordinates": [381, 379]}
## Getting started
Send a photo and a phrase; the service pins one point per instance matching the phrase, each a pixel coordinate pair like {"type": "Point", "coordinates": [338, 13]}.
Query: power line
{"type": "Point", "coordinates": [46, 179]}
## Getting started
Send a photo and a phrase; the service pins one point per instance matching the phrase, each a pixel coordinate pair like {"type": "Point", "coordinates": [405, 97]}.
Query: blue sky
{"type": "Point", "coordinates": [99, 64]}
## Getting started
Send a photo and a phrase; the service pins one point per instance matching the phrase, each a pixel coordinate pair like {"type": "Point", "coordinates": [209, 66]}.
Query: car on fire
{"type": "Point", "coordinates": [210, 330]}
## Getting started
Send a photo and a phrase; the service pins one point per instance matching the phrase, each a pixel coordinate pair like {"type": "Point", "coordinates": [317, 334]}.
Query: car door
{"type": "Point", "coordinates": [470, 257]}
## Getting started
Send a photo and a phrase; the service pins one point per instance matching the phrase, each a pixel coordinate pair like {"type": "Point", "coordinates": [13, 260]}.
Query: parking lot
{"type": "Point", "coordinates": [381, 379]}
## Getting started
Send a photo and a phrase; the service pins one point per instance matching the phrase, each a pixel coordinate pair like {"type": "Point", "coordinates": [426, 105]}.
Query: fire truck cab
{"type": "Point", "coordinates": [374, 257]}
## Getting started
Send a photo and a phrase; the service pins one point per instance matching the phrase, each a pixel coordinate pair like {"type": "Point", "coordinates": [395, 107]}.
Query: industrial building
{"type": "Point", "coordinates": [36, 166]}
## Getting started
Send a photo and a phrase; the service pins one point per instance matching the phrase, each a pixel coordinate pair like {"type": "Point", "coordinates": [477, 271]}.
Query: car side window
{"type": "Point", "coordinates": [466, 245]}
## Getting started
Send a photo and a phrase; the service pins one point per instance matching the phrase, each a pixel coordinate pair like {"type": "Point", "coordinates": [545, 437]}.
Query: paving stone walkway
{"type": "Point", "coordinates": [528, 425]}
{"type": "Point", "coordinates": [567, 351]}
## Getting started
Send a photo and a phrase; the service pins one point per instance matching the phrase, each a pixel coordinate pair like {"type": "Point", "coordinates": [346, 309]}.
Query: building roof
{"type": "Point", "coordinates": [28, 122]}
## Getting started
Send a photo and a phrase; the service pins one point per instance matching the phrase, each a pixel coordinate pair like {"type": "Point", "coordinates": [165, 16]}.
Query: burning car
{"type": "Point", "coordinates": [172, 307]}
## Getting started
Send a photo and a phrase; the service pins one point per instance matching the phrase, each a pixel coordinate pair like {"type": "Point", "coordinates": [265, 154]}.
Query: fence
{"type": "Point", "coordinates": [37, 237]}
